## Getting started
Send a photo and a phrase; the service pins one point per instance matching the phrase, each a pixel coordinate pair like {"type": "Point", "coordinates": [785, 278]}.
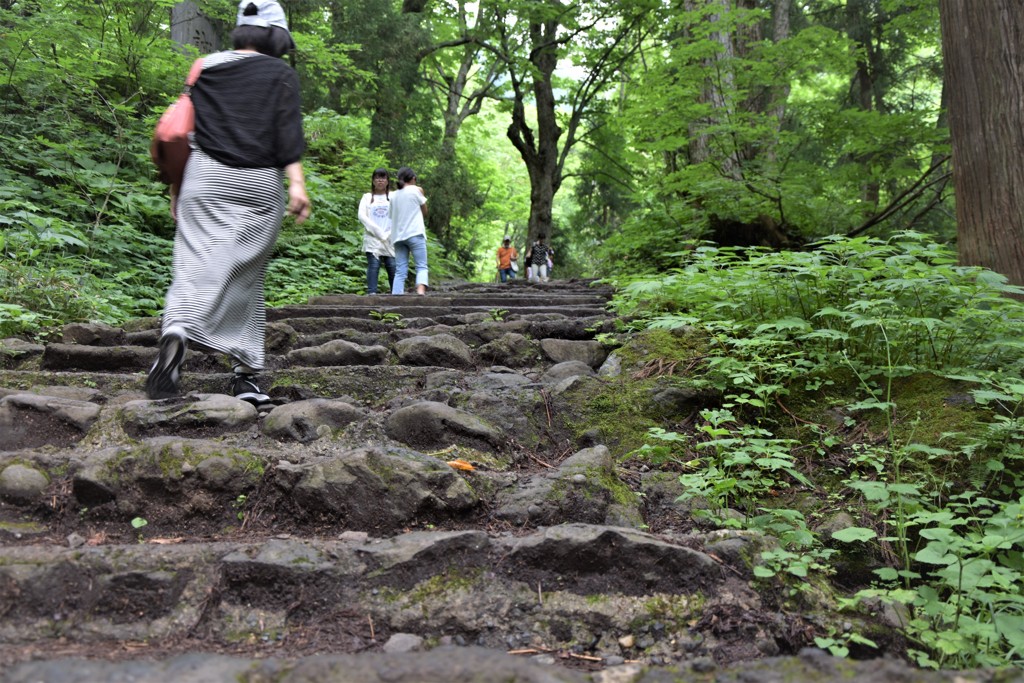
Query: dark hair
{"type": "Point", "coordinates": [405, 174]}
{"type": "Point", "coordinates": [269, 40]}
{"type": "Point", "coordinates": [382, 173]}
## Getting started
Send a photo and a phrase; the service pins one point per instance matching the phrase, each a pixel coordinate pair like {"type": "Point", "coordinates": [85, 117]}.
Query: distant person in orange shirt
{"type": "Point", "coordinates": [507, 256]}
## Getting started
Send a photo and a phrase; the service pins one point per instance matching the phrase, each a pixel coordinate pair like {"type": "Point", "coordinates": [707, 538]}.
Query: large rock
{"type": "Point", "coordinates": [570, 368]}
{"type": "Point", "coordinates": [560, 350]}
{"type": "Point", "coordinates": [201, 414]}
{"type": "Point", "coordinates": [93, 334]}
{"type": "Point", "coordinates": [369, 489]}
{"type": "Point", "coordinates": [432, 425]}
{"type": "Point", "coordinates": [31, 420]}
{"type": "Point", "coordinates": [98, 481]}
{"type": "Point", "coordinates": [306, 421]}
{"type": "Point", "coordinates": [569, 328]}
{"type": "Point", "coordinates": [98, 358]}
{"type": "Point", "coordinates": [420, 552]}
{"type": "Point", "coordinates": [683, 401]}
{"type": "Point", "coordinates": [14, 351]}
{"type": "Point", "coordinates": [339, 352]}
{"type": "Point", "coordinates": [179, 473]}
{"type": "Point", "coordinates": [280, 337]}
{"type": "Point", "coordinates": [511, 349]}
{"type": "Point", "coordinates": [22, 484]}
{"type": "Point", "coordinates": [631, 561]}
{"type": "Point", "coordinates": [478, 334]}
{"type": "Point", "coordinates": [87, 394]}
{"type": "Point", "coordinates": [583, 488]}
{"type": "Point", "coordinates": [442, 350]}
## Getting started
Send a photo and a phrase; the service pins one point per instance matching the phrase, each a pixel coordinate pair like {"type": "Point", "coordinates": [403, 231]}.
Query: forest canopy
{"type": "Point", "coordinates": [629, 131]}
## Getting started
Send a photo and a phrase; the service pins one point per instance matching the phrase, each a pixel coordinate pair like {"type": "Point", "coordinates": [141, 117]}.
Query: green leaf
{"type": "Point", "coordinates": [887, 574]}
{"type": "Point", "coordinates": [854, 533]}
{"type": "Point", "coordinates": [935, 553]}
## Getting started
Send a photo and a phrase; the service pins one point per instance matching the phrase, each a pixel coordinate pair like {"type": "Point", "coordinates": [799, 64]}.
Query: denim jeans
{"type": "Point", "coordinates": [507, 274]}
{"type": "Point", "coordinates": [373, 263]}
{"type": "Point", "coordinates": [417, 247]}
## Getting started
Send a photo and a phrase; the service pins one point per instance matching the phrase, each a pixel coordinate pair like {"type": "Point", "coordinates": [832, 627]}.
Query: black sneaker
{"type": "Point", "coordinates": [165, 374]}
{"type": "Point", "coordinates": [244, 387]}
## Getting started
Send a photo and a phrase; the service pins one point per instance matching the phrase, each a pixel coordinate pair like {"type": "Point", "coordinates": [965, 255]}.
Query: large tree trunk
{"type": "Point", "coordinates": [189, 26]}
{"type": "Point", "coordinates": [540, 153]}
{"type": "Point", "coordinates": [861, 29]}
{"type": "Point", "coordinates": [983, 46]}
{"type": "Point", "coordinates": [460, 102]}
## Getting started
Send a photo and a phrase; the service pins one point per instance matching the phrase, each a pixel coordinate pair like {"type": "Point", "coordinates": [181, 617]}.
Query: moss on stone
{"type": "Point", "coordinates": [438, 585]}
{"type": "Point", "coordinates": [675, 611]}
{"type": "Point", "coordinates": [452, 579]}
{"type": "Point", "coordinates": [620, 411]}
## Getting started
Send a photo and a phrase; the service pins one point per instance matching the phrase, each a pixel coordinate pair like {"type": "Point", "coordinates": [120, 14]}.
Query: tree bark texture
{"type": "Point", "coordinates": [189, 26]}
{"type": "Point", "coordinates": [983, 46]}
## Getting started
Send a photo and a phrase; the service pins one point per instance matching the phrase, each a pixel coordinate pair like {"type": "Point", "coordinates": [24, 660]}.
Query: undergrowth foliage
{"type": "Point", "coordinates": [942, 514]}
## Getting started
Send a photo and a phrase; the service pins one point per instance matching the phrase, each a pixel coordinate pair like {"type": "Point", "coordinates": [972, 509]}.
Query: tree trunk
{"type": "Point", "coordinates": [460, 102]}
{"type": "Point", "coordinates": [189, 26]}
{"type": "Point", "coordinates": [860, 28]}
{"type": "Point", "coordinates": [983, 46]}
{"type": "Point", "coordinates": [540, 152]}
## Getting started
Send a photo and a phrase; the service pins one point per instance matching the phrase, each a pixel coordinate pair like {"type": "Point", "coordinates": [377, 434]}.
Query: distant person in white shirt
{"type": "Point", "coordinates": [408, 231]}
{"type": "Point", "coordinates": [374, 208]}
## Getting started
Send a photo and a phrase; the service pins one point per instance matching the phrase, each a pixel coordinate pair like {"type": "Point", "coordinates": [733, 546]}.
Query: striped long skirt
{"type": "Point", "coordinates": [228, 222]}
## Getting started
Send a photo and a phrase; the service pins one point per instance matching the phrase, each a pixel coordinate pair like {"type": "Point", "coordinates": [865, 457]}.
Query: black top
{"type": "Point", "coordinates": [539, 254]}
{"type": "Point", "coordinates": [248, 113]}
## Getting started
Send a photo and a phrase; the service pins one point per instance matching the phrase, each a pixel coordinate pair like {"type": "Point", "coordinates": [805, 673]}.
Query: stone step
{"type": "Point", "coordinates": [596, 590]}
{"type": "Point", "coordinates": [454, 664]}
{"type": "Point", "coordinates": [427, 309]}
{"type": "Point", "coordinates": [490, 301]}
{"type": "Point", "coordinates": [520, 284]}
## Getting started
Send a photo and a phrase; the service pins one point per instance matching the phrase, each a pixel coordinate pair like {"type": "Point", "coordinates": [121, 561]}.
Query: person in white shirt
{"type": "Point", "coordinates": [374, 214]}
{"type": "Point", "coordinates": [409, 232]}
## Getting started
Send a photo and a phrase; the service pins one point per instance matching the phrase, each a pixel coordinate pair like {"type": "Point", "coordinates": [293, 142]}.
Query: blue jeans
{"type": "Point", "coordinates": [507, 274]}
{"type": "Point", "coordinates": [417, 247]}
{"type": "Point", "coordinates": [373, 263]}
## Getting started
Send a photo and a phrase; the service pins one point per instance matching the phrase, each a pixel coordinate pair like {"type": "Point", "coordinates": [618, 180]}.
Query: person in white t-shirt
{"type": "Point", "coordinates": [409, 232]}
{"type": "Point", "coordinates": [374, 214]}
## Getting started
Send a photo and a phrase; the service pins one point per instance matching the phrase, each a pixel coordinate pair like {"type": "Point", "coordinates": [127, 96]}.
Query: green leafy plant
{"type": "Point", "coordinates": [138, 523]}
{"type": "Point", "coordinates": [947, 509]}
{"type": "Point", "coordinates": [735, 463]}
{"type": "Point", "coordinates": [388, 317]}
{"type": "Point", "coordinates": [239, 505]}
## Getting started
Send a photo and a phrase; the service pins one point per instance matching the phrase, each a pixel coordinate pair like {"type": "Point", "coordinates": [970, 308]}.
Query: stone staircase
{"type": "Point", "coordinates": [427, 501]}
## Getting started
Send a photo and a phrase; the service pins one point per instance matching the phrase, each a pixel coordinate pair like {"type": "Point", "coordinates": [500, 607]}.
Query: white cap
{"type": "Point", "coordinates": [268, 13]}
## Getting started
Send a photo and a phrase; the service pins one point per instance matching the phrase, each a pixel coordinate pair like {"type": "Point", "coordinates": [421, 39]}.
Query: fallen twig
{"type": "Point", "coordinates": [589, 658]}
{"type": "Point", "coordinates": [786, 410]}
{"type": "Point", "coordinates": [539, 461]}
